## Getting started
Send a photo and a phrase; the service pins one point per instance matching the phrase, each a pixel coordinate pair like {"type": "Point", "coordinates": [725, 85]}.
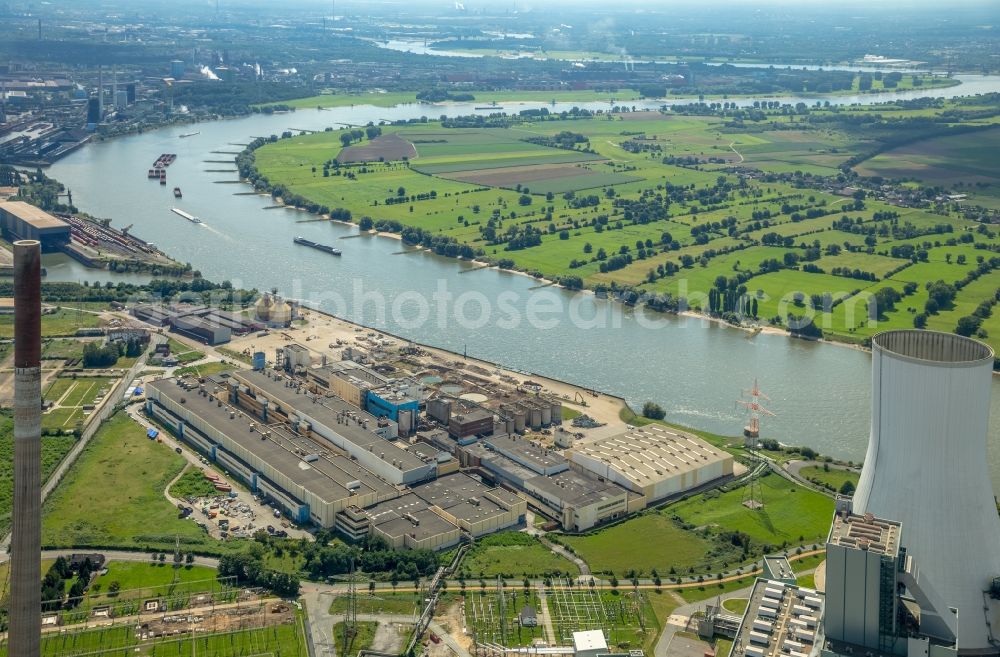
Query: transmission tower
{"type": "Point", "coordinates": [351, 613]}
{"type": "Point", "coordinates": [753, 495]}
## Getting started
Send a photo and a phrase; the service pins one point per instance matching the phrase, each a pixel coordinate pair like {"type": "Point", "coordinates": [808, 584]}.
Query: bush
{"type": "Point", "coordinates": [653, 411]}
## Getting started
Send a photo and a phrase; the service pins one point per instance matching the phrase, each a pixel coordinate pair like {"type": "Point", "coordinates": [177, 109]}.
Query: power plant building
{"type": "Point", "coordinates": [654, 461]}
{"type": "Point", "coordinates": [926, 468]}
{"type": "Point", "coordinates": [862, 560]}
{"type": "Point", "coordinates": [23, 221]}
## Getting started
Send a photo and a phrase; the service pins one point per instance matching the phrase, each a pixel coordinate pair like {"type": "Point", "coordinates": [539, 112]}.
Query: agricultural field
{"type": "Point", "coordinates": [652, 201]}
{"type": "Point", "coordinates": [120, 458]}
{"type": "Point", "coordinates": [513, 554]}
{"type": "Point", "coordinates": [967, 159]}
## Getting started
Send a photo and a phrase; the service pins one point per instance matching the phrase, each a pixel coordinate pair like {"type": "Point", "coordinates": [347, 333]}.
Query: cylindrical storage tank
{"type": "Point", "coordinates": [519, 421]}
{"type": "Point", "coordinates": [536, 418]}
{"type": "Point", "coordinates": [546, 415]}
{"type": "Point", "coordinates": [405, 422]}
{"type": "Point", "coordinates": [509, 425]}
{"type": "Point", "coordinates": [926, 465]}
{"type": "Point", "coordinates": [258, 360]}
{"type": "Point", "coordinates": [556, 412]}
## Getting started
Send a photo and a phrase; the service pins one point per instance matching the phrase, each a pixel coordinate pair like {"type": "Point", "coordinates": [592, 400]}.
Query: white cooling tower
{"type": "Point", "coordinates": [926, 467]}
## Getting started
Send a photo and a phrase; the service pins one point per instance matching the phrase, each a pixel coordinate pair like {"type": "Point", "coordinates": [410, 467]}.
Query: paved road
{"type": "Point", "coordinates": [318, 598]}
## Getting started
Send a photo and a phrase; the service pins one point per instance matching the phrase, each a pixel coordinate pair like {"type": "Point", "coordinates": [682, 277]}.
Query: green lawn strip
{"type": "Point", "coordinates": [381, 602]}
{"type": "Point", "coordinates": [207, 369]}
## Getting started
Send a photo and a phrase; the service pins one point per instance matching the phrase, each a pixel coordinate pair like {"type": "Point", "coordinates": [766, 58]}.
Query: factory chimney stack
{"type": "Point", "coordinates": [26, 537]}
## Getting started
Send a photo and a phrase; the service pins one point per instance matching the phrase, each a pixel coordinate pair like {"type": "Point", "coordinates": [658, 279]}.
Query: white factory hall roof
{"type": "Point", "coordinates": [647, 455]}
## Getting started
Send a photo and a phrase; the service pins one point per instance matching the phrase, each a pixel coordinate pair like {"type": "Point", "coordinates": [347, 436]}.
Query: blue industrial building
{"type": "Point", "coordinates": [388, 403]}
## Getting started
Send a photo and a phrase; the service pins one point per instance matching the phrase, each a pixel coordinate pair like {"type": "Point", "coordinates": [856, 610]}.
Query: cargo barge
{"type": "Point", "coordinates": [190, 217]}
{"type": "Point", "coordinates": [316, 245]}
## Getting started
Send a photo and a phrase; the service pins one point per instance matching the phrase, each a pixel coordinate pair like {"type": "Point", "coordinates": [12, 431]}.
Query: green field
{"type": "Point", "coordinates": [779, 238]}
{"type": "Point", "coordinates": [62, 322]}
{"type": "Point", "coordinates": [615, 550]}
{"type": "Point", "coordinates": [513, 554]}
{"type": "Point", "coordinates": [135, 514]}
{"type": "Point", "coordinates": [792, 515]}
{"type": "Point", "coordinates": [382, 602]}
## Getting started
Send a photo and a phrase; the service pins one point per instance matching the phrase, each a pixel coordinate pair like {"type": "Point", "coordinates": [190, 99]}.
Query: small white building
{"type": "Point", "coordinates": [590, 643]}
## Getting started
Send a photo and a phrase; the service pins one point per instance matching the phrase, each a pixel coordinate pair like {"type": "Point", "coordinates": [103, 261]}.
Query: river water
{"type": "Point", "coordinates": [694, 369]}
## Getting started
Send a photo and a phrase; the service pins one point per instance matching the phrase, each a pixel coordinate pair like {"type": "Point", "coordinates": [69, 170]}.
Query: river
{"type": "Point", "coordinates": [694, 369]}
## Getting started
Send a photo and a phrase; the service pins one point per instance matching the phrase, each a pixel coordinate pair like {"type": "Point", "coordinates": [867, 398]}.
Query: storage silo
{"type": "Point", "coordinates": [520, 420]}
{"type": "Point", "coordinates": [546, 414]}
{"type": "Point", "coordinates": [556, 411]}
{"type": "Point", "coordinates": [926, 467]}
{"type": "Point", "coordinates": [535, 415]}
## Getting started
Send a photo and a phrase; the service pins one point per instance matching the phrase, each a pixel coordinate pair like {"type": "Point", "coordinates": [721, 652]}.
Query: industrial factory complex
{"type": "Point", "coordinates": [355, 447]}
{"type": "Point", "coordinates": [442, 452]}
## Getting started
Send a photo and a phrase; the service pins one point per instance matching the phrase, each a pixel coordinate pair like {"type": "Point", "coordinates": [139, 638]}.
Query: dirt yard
{"type": "Point", "coordinates": [386, 147]}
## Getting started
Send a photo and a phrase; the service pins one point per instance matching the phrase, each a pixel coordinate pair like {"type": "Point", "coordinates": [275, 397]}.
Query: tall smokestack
{"type": "Point", "coordinates": [26, 539]}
